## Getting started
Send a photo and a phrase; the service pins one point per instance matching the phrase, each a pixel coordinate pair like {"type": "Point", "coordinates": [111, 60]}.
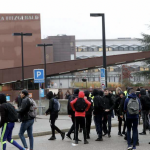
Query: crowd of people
{"type": "Point", "coordinates": [101, 105]}
{"type": "Point", "coordinates": [10, 115]}
{"type": "Point", "coordinates": [127, 105]}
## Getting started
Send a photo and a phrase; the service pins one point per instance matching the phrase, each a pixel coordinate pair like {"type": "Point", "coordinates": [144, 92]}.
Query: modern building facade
{"type": "Point", "coordinates": [10, 46]}
{"type": "Point", "coordinates": [63, 48]}
{"type": "Point", "coordinates": [88, 48]}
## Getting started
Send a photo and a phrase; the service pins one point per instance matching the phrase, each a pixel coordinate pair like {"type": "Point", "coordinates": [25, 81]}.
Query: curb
{"type": "Point", "coordinates": [36, 134]}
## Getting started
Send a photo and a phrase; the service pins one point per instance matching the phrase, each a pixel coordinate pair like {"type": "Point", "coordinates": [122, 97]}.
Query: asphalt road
{"type": "Point", "coordinates": [114, 143]}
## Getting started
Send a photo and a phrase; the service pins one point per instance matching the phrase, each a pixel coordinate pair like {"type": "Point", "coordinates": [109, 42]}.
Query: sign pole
{"type": "Point", "coordinates": [39, 78]}
{"type": "Point", "coordinates": [40, 109]}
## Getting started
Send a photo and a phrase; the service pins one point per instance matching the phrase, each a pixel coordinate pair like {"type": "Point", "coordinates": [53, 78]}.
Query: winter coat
{"type": "Point", "coordinates": [119, 106]}
{"type": "Point", "coordinates": [24, 109]}
{"type": "Point", "coordinates": [108, 102]}
{"type": "Point", "coordinates": [144, 100]}
{"type": "Point", "coordinates": [80, 114]}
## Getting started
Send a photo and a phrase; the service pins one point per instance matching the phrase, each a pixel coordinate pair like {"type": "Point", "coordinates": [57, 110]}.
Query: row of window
{"type": "Point", "coordinates": [112, 79]}
{"type": "Point", "coordinates": [28, 84]}
{"type": "Point", "coordinates": [99, 49]}
{"type": "Point", "coordinates": [118, 69]}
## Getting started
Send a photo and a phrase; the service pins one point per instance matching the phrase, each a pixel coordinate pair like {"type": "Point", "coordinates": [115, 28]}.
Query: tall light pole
{"type": "Point", "coordinates": [44, 45]}
{"type": "Point", "coordinates": [22, 34]}
{"type": "Point", "coordinates": [104, 41]}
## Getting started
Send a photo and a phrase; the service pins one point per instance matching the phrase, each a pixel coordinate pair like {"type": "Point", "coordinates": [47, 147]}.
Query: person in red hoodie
{"type": "Point", "coordinates": [80, 105]}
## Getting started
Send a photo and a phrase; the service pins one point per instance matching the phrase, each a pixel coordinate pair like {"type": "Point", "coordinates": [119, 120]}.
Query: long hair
{"type": "Point", "coordinates": [118, 90]}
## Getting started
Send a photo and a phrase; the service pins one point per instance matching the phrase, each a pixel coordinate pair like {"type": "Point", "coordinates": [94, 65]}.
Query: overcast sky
{"type": "Point", "coordinates": [124, 18]}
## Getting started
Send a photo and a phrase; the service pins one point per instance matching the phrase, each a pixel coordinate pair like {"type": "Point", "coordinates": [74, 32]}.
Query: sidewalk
{"type": "Point", "coordinates": [42, 126]}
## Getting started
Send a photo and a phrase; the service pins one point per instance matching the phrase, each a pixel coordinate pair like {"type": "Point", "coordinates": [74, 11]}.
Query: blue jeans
{"type": "Point", "coordinates": [132, 123]}
{"type": "Point", "coordinates": [27, 126]}
{"type": "Point", "coordinates": [98, 124]}
{"type": "Point", "coordinates": [6, 135]}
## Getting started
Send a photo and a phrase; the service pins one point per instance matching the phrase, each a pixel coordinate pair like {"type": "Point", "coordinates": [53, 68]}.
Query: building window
{"type": "Point", "coordinates": [120, 48]}
{"type": "Point", "coordinates": [131, 48]}
{"type": "Point", "coordinates": [109, 49]}
{"type": "Point", "coordinates": [100, 49]}
{"type": "Point", "coordinates": [71, 44]}
{"type": "Point", "coordinates": [141, 69]}
{"type": "Point", "coordinates": [96, 70]}
{"type": "Point", "coordinates": [111, 69]}
{"type": "Point", "coordinates": [80, 50]}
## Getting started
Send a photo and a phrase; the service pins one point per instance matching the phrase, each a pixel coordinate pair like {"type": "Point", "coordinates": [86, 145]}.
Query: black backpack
{"type": "Point", "coordinates": [11, 112]}
{"type": "Point", "coordinates": [80, 105]}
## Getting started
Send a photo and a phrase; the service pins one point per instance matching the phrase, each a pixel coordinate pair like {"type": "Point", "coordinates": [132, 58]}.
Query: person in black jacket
{"type": "Point", "coordinates": [119, 109]}
{"type": "Point", "coordinates": [98, 113]}
{"type": "Point", "coordinates": [71, 113]}
{"type": "Point", "coordinates": [145, 100]}
{"type": "Point", "coordinates": [27, 121]}
{"type": "Point", "coordinates": [6, 124]}
{"type": "Point", "coordinates": [18, 101]}
{"type": "Point", "coordinates": [108, 105]}
{"type": "Point", "coordinates": [101, 93]}
{"type": "Point", "coordinates": [88, 114]}
{"type": "Point", "coordinates": [53, 117]}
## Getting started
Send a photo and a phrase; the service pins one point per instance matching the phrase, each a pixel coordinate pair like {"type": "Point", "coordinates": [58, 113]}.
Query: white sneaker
{"type": "Point", "coordinates": [73, 144]}
{"type": "Point", "coordinates": [129, 148]}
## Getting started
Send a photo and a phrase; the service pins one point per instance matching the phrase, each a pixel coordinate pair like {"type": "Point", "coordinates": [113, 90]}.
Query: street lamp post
{"type": "Point", "coordinates": [45, 45]}
{"type": "Point", "coordinates": [104, 41]}
{"type": "Point", "coordinates": [22, 34]}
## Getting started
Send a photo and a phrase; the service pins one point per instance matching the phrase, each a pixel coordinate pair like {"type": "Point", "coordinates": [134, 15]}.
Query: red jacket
{"type": "Point", "coordinates": [80, 114]}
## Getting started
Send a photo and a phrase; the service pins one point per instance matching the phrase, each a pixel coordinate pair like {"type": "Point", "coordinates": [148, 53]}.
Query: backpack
{"type": "Point", "coordinates": [12, 115]}
{"type": "Point", "coordinates": [33, 107]}
{"type": "Point", "coordinates": [133, 106]}
{"type": "Point", "coordinates": [56, 105]}
{"type": "Point", "coordinates": [80, 105]}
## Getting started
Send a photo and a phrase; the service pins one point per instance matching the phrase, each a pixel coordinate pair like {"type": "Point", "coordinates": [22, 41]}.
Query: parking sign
{"type": "Point", "coordinates": [102, 72]}
{"type": "Point", "coordinates": [102, 77]}
{"type": "Point", "coordinates": [38, 75]}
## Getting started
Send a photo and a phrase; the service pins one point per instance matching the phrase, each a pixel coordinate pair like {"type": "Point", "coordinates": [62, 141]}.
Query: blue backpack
{"type": "Point", "coordinates": [56, 105]}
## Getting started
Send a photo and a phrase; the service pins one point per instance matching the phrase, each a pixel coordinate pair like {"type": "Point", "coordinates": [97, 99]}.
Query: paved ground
{"type": "Point", "coordinates": [42, 125]}
{"type": "Point", "coordinates": [114, 143]}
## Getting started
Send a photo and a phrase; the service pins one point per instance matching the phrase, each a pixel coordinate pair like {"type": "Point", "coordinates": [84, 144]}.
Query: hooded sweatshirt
{"type": "Point", "coordinates": [80, 114]}
{"type": "Point", "coordinates": [2, 110]}
{"type": "Point", "coordinates": [134, 96]}
{"type": "Point", "coordinates": [97, 101]}
{"type": "Point", "coordinates": [71, 98]}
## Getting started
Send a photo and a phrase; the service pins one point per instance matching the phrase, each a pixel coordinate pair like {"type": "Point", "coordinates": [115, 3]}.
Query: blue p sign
{"type": "Point", "coordinates": [38, 75]}
{"type": "Point", "coordinates": [102, 73]}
